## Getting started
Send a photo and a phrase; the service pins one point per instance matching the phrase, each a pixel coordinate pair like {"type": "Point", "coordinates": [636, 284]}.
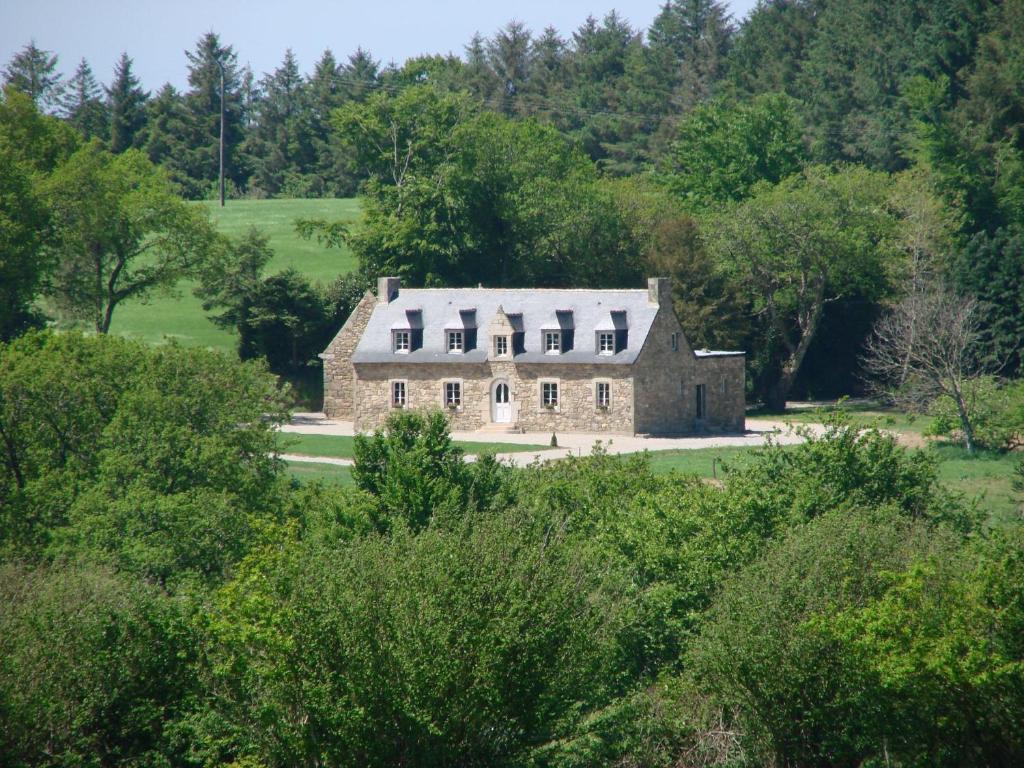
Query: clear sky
{"type": "Point", "coordinates": [156, 34]}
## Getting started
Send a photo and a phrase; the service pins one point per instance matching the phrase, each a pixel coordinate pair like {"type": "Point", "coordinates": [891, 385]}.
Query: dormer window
{"type": "Point", "coordinates": [456, 342]}
{"type": "Point", "coordinates": [612, 333]}
{"type": "Point", "coordinates": [501, 346]}
{"type": "Point", "coordinates": [401, 342]}
{"type": "Point", "coordinates": [552, 342]}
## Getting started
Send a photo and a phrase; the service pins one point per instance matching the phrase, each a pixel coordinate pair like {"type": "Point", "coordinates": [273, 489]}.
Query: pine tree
{"type": "Point", "coordinates": [545, 88]}
{"type": "Point", "coordinates": [33, 71]}
{"type": "Point", "coordinates": [359, 76]}
{"type": "Point", "coordinates": [508, 56]}
{"type": "Point", "coordinates": [478, 76]}
{"type": "Point", "coordinates": [280, 138]}
{"type": "Point", "coordinates": [82, 105]}
{"type": "Point", "coordinates": [126, 102]}
{"type": "Point", "coordinates": [325, 92]}
{"type": "Point", "coordinates": [198, 160]}
{"type": "Point", "coordinates": [166, 125]}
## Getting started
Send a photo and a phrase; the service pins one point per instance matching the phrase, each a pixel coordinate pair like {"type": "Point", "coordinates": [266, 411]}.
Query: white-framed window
{"type": "Point", "coordinates": [606, 343]}
{"type": "Point", "coordinates": [603, 394]}
{"type": "Point", "coordinates": [453, 394]}
{"type": "Point", "coordinates": [400, 341]}
{"type": "Point", "coordinates": [456, 341]}
{"type": "Point", "coordinates": [552, 342]}
{"type": "Point", "coordinates": [549, 394]}
{"type": "Point", "coordinates": [501, 346]}
{"type": "Point", "coordinates": [399, 396]}
{"type": "Point", "coordinates": [675, 342]}
{"type": "Point", "coordinates": [702, 401]}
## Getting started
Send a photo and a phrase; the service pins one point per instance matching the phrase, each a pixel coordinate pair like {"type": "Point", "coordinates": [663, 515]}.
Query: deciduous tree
{"type": "Point", "coordinates": [120, 232]}
{"type": "Point", "coordinates": [802, 244]}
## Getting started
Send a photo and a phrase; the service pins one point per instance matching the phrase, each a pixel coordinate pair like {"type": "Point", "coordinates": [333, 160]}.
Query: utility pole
{"type": "Point", "coordinates": [221, 65]}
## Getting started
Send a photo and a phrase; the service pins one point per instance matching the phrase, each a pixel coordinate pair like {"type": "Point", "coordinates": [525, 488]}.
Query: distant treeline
{"type": "Point", "coordinates": [794, 173]}
{"type": "Point", "coordinates": [617, 90]}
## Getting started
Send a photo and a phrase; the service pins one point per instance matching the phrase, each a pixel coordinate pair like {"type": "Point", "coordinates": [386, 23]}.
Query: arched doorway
{"type": "Point", "coordinates": [501, 402]}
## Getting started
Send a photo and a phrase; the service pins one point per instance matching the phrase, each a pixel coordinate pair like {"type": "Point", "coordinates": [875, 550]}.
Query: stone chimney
{"type": "Point", "coordinates": [659, 291]}
{"type": "Point", "coordinates": [387, 289]}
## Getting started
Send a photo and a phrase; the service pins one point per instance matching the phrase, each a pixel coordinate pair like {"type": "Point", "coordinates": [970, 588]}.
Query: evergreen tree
{"type": "Point", "coordinates": [281, 142]}
{"type": "Point", "coordinates": [478, 76]}
{"type": "Point", "coordinates": [33, 71]}
{"type": "Point", "coordinates": [359, 76]}
{"type": "Point", "coordinates": [126, 102]}
{"type": "Point", "coordinates": [325, 92]}
{"type": "Point", "coordinates": [772, 45]}
{"type": "Point", "coordinates": [82, 104]}
{"type": "Point", "coordinates": [508, 56]}
{"type": "Point", "coordinates": [198, 161]}
{"type": "Point", "coordinates": [166, 125]}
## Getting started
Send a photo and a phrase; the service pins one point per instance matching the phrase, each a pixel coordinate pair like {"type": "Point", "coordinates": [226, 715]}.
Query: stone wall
{"type": "Point", "coordinates": [339, 375]}
{"type": "Point", "coordinates": [661, 375]}
{"type": "Point", "coordinates": [577, 410]}
{"type": "Point", "coordinates": [725, 395]}
{"type": "Point", "coordinates": [666, 384]}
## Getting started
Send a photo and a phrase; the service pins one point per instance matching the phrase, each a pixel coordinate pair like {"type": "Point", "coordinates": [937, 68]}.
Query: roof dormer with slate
{"type": "Point", "coordinates": [541, 325]}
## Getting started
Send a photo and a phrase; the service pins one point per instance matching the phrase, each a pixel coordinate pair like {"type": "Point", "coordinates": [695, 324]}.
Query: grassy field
{"type": "Point", "coordinates": [181, 317]}
{"type": "Point", "coordinates": [308, 472]}
{"type": "Point", "coordinates": [985, 478]}
{"type": "Point", "coordinates": [703, 462]}
{"type": "Point", "coordinates": [341, 447]}
{"type": "Point", "coordinates": [861, 414]}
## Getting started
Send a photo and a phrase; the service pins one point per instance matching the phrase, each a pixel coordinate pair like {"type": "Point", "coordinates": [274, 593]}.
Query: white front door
{"type": "Point", "coordinates": [501, 407]}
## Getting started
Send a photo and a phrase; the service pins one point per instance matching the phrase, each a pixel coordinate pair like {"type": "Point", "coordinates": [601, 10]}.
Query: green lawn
{"type": "Point", "coordinates": [308, 472]}
{"type": "Point", "coordinates": [703, 462]}
{"type": "Point", "coordinates": [341, 447]}
{"type": "Point", "coordinates": [986, 477]}
{"type": "Point", "coordinates": [861, 414]}
{"type": "Point", "coordinates": [181, 317]}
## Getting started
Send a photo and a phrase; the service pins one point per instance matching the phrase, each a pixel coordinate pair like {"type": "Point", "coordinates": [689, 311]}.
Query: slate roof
{"type": "Point", "coordinates": [442, 308]}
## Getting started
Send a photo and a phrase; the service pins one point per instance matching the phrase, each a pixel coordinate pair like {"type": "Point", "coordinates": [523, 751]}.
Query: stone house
{"type": "Point", "coordinates": [603, 361]}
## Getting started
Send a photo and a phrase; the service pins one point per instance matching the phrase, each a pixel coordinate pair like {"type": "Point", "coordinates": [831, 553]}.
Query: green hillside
{"type": "Point", "coordinates": [181, 317]}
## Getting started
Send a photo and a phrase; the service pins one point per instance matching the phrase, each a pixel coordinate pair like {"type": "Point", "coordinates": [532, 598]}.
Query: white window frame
{"type": "Point", "coordinates": [597, 394]}
{"type": "Point", "coordinates": [458, 402]}
{"type": "Point", "coordinates": [503, 340]}
{"type": "Point", "coordinates": [455, 342]}
{"type": "Point", "coordinates": [602, 337]}
{"type": "Point", "coordinates": [557, 401]}
{"type": "Point", "coordinates": [552, 348]}
{"type": "Point", "coordinates": [675, 342]}
{"type": "Point", "coordinates": [405, 393]}
{"type": "Point", "coordinates": [399, 348]}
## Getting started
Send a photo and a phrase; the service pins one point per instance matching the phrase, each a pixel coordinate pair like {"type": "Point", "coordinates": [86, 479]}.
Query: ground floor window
{"type": "Point", "coordinates": [549, 394]}
{"type": "Point", "coordinates": [702, 402]}
{"type": "Point", "coordinates": [453, 394]}
{"type": "Point", "coordinates": [398, 396]}
{"type": "Point", "coordinates": [604, 394]}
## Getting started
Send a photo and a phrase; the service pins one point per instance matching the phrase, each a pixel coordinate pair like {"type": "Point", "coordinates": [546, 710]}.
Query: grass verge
{"type": "Point", "coordinates": [343, 447]}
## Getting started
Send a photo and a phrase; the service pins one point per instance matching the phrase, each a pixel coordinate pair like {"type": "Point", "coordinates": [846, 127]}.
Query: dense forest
{"type": "Point", "coordinates": [835, 187]}
{"type": "Point", "coordinates": [713, 151]}
{"type": "Point", "coordinates": [169, 597]}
